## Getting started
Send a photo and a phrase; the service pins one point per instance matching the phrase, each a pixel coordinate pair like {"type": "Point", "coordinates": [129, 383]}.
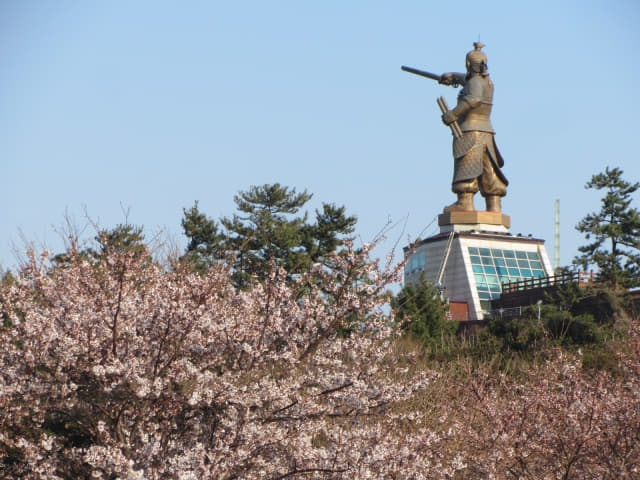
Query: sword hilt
{"type": "Point", "coordinates": [455, 128]}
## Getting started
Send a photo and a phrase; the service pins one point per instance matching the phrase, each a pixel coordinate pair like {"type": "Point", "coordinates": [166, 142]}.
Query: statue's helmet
{"type": "Point", "coordinates": [477, 60]}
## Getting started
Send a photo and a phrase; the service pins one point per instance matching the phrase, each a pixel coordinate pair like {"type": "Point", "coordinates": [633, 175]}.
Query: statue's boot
{"type": "Point", "coordinates": [493, 203]}
{"type": "Point", "coordinates": [465, 202]}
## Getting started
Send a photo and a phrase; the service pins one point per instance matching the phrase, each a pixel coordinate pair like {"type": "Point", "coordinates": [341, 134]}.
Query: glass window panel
{"type": "Point", "coordinates": [485, 305]}
{"type": "Point", "coordinates": [412, 264]}
{"type": "Point", "coordinates": [492, 279]}
{"type": "Point", "coordinates": [502, 266]}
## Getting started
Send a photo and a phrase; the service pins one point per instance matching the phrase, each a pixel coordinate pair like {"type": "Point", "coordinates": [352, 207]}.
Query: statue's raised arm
{"type": "Point", "coordinates": [452, 79]}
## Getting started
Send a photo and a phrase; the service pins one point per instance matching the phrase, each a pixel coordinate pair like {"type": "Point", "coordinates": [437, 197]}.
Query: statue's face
{"type": "Point", "coordinates": [476, 67]}
{"type": "Point", "coordinates": [476, 62]}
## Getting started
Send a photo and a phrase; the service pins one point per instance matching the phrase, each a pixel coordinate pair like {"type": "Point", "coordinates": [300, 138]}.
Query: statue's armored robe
{"type": "Point", "coordinates": [477, 160]}
{"type": "Point", "coordinates": [476, 157]}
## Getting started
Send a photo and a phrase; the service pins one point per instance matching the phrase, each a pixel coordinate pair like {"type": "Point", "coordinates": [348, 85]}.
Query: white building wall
{"type": "Point", "coordinates": [459, 280]}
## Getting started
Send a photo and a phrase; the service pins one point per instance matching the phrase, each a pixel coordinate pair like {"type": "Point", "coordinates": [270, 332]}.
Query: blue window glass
{"type": "Point", "coordinates": [493, 267]}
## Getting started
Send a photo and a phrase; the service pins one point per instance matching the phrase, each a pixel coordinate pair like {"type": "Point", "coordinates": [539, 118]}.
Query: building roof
{"type": "Point", "coordinates": [480, 235]}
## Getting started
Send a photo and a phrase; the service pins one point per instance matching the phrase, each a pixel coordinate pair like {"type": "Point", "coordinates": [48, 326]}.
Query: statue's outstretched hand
{"type": "Point", "coordinates": [449, 117]}
{"type": "Point", "coordinates": [447, 79]}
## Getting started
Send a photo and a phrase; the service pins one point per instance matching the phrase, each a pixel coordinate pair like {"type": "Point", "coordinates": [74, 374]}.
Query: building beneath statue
{"type": "Point", "coordinates": [472, 257]}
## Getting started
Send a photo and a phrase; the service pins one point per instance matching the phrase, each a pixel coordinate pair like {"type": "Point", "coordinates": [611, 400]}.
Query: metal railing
{"type": "Point", "coordinates": [504, 312]}
{"type": "Point", "coordinates": [579, 277]}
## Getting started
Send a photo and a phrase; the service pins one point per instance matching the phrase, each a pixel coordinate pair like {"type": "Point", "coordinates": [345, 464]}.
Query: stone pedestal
{"type": "Point", "coordinates": [481, 221]}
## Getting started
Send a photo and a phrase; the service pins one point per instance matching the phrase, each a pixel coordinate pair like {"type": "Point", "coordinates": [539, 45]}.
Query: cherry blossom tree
{"type": "Point", "coordinates": [113, 367]}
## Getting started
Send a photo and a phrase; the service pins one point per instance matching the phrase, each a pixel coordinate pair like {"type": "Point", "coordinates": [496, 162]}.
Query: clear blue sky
{"type": "Point", "coordinates": [151, 105]}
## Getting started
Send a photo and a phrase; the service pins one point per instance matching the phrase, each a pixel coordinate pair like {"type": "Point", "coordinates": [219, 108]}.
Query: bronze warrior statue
{"type": "Point", "coordinates": [477, 160]}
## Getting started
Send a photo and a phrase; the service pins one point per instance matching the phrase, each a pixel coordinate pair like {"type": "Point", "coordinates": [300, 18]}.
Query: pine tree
{"type": "Point", "coordinates": [205, 241]}
{"type": "Point", "coordinates": [267, 233]}
{"type": "Point", "coordinates": [123, 237]}
{"type": "Point", "coordinates": [421, 313]}
{"type": "Point", "coordinates": [614, 231]}
{"type": "Point", "coordinates": [269, 230]}
{"type": "Point", "coordinates": [322, 238]}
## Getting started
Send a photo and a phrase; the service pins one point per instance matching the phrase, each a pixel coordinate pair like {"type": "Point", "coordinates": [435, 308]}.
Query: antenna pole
{"type": "Point", "coordinates": [556, 240]}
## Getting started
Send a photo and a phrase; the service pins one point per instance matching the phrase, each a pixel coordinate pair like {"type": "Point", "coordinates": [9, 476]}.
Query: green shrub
{"type": "Point", "coordinates": [519, 334]}
{"type": "Point", "coordinates": [569, 329]}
